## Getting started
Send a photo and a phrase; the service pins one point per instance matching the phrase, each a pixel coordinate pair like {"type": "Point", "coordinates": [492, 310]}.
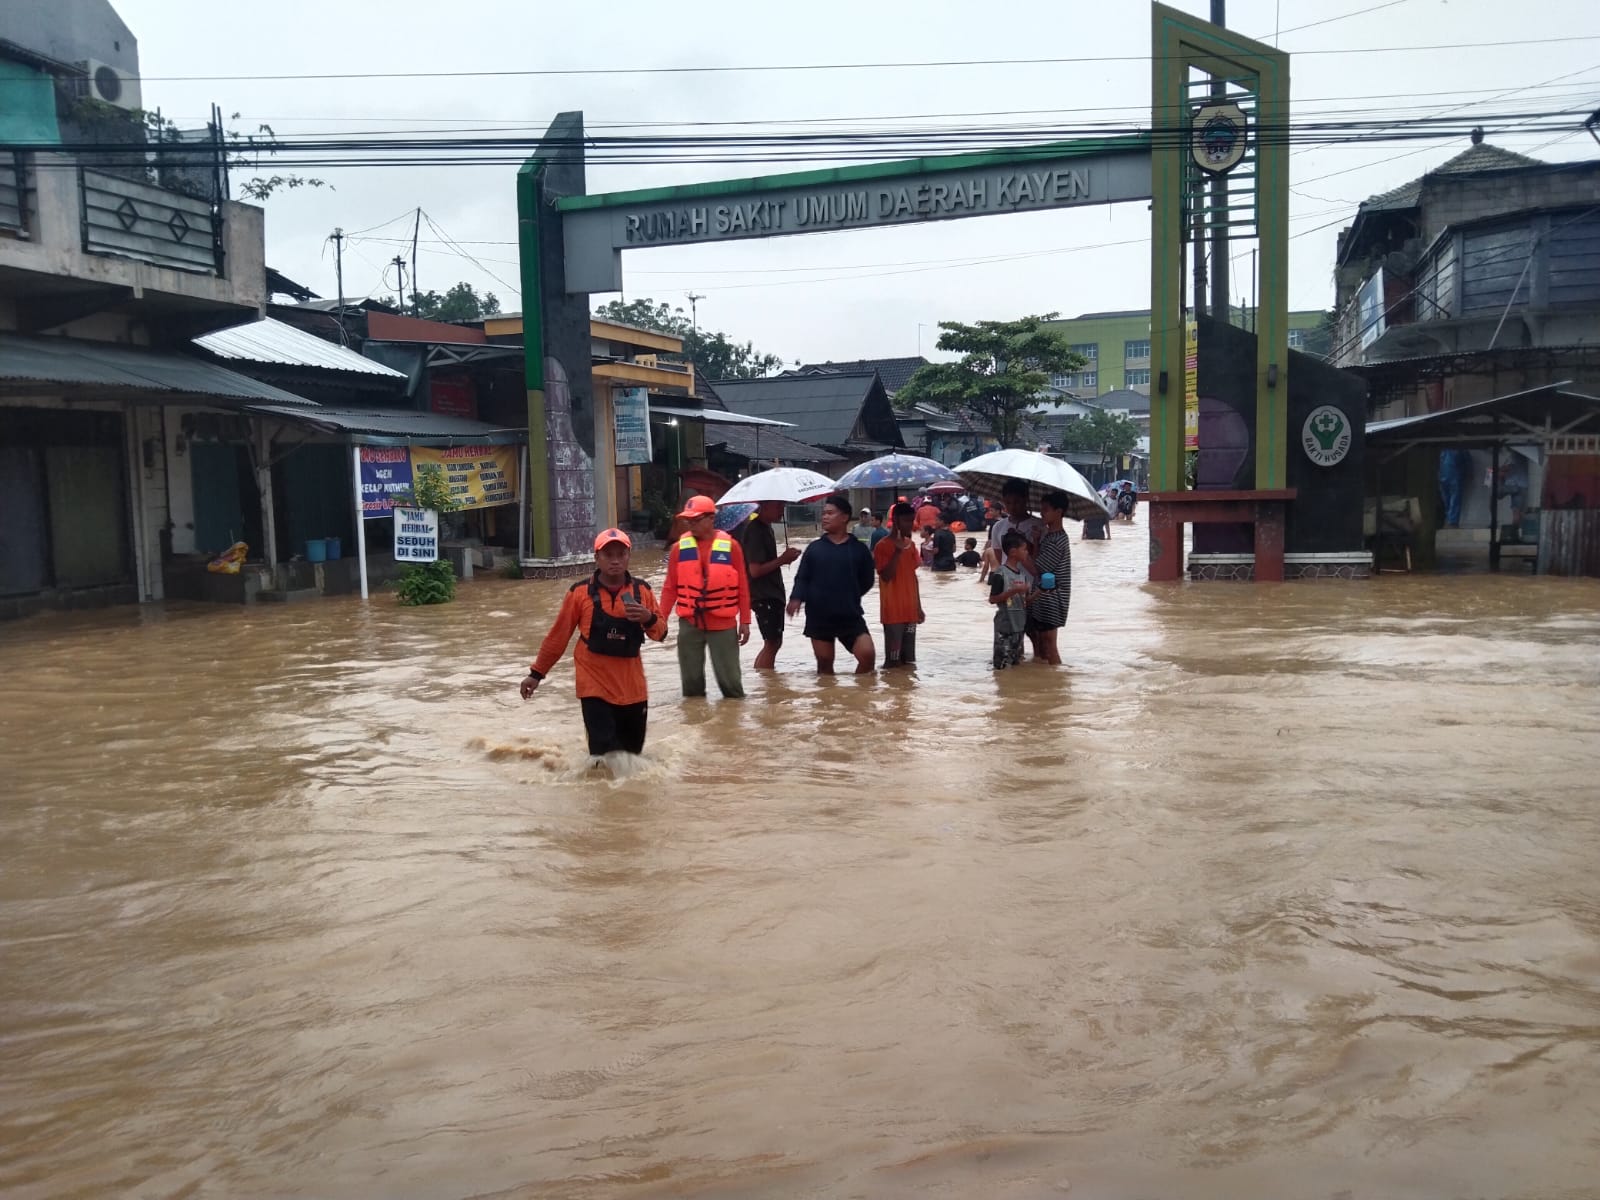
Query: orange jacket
{"type": "Point", "coordinates": [617, 680]}
{"type": "Point", "coordinates": [708, 587]}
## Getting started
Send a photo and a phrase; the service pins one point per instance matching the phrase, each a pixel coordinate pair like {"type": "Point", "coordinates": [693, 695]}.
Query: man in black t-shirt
{"type": "Point", "coordinates": [765, 566]}
{"type": "Point", "coordinates": [834, 573]}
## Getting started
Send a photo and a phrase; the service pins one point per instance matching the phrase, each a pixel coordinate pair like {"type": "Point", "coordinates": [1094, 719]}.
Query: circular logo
{"type": "Point", "coordinates": [1218, 131]}
{"type": "Point", "coordinates": [1326, 435]}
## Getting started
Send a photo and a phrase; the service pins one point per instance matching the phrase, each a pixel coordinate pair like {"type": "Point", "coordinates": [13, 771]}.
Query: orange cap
{"type": "Point", "coordinates": [606, 536]}
{"type": "Point", "coordinates": [699, 506]}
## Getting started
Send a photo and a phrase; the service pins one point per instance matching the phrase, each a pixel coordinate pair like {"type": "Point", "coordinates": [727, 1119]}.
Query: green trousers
{"type": "Point", "coordinates": [693, 643]}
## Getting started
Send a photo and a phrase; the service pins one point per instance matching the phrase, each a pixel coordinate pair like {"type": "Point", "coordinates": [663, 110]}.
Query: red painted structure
{"type": "Point", "coordinates": [1171, 511]}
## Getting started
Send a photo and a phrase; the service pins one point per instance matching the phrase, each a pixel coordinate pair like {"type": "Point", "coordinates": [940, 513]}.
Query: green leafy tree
{"type": "Point", "coordinates": [1004, 366]}
{"type": "Point", "coordinates": [715, 355]}
{"type": "Point", "coordinates": [460, 302]}
{"type": "Point", "coordinates": [1104, 433]}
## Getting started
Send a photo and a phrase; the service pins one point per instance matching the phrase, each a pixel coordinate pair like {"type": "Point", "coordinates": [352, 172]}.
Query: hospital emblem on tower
{"type": "Point", "coordinates": [1218, 136]}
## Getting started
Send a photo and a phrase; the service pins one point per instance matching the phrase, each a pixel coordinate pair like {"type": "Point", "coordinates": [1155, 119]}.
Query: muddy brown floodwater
{"type": "Point", "coordinates": [1281, 892]}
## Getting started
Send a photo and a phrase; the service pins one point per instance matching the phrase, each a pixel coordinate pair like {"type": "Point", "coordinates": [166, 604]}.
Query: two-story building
{"type": "Point", "coordinates": [1476, 284]}
{"type": "Point", "coordinates": [111, 260]}
{"type": "Point", "coordinates": [1115, 347]}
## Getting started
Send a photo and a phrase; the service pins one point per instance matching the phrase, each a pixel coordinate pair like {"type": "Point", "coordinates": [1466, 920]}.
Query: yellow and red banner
{"type": "Point", "coordinates": [479, 476]}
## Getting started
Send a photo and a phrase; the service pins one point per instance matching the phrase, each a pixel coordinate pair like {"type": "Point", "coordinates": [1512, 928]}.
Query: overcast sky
{"type": "Point", "coordinates": [868, 293]}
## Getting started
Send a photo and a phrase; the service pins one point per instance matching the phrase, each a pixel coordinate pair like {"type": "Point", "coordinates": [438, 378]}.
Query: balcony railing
{"type": "Point", "coordinates": [148, 223]}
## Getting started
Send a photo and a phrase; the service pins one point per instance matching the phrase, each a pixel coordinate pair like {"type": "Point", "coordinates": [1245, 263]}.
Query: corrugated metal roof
{"type": "Point", "coordinates": [112, 368]}
{"type": "Point", "coordinates": [394, 424]}
{"type": "Point", "coordinates": [713, 416]}
{"type": "Point", "coordinates": [1525, 412]}
{"type": "Point", "coordinates": [271, 341]}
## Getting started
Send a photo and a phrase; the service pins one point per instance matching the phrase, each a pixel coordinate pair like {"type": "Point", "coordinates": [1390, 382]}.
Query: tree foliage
{"type": "Point", "coordinates": [1104, 433]}
{"type": "Point", "coordinates": [714, 355]}
{"type": "Point", "coordinates": [460, 302]}
{"type": "Point", "coordinates": [430, 489]}
{"type": "Point", "coordinates": [1004, 366]}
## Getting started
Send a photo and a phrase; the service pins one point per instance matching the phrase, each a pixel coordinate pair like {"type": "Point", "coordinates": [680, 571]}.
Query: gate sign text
{"type": "Point", "coordinates": [597, 228]}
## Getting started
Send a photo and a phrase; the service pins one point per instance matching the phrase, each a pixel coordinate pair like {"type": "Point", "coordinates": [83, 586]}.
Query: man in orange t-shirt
{"type": "Point", "coordinates": [612, 613]}
{"type": "Point", "coordinates": [899, 599]}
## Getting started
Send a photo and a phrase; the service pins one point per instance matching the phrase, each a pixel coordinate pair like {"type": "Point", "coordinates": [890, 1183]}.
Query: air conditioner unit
{"type": "Point", "coordinates": [111, 84]}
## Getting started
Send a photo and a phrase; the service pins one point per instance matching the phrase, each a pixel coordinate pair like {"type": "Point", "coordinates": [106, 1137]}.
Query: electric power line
{"type": "Point", "coordinates": [713, 69]}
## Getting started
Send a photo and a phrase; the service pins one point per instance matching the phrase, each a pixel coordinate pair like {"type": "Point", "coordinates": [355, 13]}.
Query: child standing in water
{"type": "Point", "coordinates": [1009, 585]}
{"type": "Point", "coordinates": [612, 613]}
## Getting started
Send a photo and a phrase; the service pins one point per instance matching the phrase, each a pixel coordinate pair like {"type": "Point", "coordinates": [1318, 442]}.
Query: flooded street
{"type": "Point", "coordinates": [1277, 891]}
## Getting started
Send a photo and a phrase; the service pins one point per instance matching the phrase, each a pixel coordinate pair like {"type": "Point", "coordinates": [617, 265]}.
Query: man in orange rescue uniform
{"type": "Point", "coordinates": [612, 613]}
{"type": "Point", "coordinates": [707, 586]}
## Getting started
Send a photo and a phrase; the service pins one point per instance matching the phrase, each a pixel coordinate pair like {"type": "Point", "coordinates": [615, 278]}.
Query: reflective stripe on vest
{"type": "Point", "coordinates": [711, 587]}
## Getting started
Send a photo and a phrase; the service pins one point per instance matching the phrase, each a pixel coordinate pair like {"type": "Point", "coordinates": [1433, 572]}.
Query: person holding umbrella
{"type": "Point", "coordinates": [1014, 496]}
{"type": "Point", "coordinates": [765, 565]}
{"type": "Point", "coordinates": [1047, 607]}
{"type": "Point", "coordinates": [708, 588]}
{"type": "Point", "coordinates": [834, 573]}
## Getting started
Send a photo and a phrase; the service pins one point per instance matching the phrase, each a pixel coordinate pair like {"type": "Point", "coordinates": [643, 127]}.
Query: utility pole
{"type": "Point", "coordinates": [337, 237]}
{"type": "Point", "coordinates": [1221, 303]}
{"type": "Point", "coordinates": [415, 225]}
{"type": "Point", "coordinates": [400, 265]}
{"type": "Point", "coordinates": [694, 309]}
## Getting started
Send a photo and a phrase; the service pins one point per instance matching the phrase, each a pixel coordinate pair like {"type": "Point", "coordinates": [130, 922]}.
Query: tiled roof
{"type": "Point", "coordinates": [1482, 157]}
{"type": "Point", "coordinates": [893, 371]}
{"type": "Point", "coordinates": [824, 407]}
{"type": "Point", "coordinates": [705, 393]}
{"type": "Point", "coordinates": [755, 443]}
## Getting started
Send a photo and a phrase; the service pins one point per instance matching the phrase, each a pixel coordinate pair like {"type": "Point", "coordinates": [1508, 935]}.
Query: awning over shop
{"type": "Point", "coordinates": [103, 370]}
{"type": "Point", "coordinates": [762, 444]}
{"type": "Point", "coordinates": [713, 416]}
{"type": "Point", "coordinates": [394, 426]}
{"type": "Point", "coordinates": [1538, 415]}
{"type": "Point", "coordinates": [276, 344]}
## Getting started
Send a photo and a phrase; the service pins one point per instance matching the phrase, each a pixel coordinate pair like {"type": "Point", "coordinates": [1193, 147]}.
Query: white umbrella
{"type": "Point", "coordinates": [988, 474]}
{"type": "Point", "coordinates": [791, 485]}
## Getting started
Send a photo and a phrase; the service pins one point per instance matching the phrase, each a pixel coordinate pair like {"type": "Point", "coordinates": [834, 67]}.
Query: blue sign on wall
{"type": "Point", "coordinates": [385, 474]}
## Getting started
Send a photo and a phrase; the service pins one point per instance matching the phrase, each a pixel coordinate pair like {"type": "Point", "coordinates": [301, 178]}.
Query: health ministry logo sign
{"type": "Point", "coordinates": [1326, 436]}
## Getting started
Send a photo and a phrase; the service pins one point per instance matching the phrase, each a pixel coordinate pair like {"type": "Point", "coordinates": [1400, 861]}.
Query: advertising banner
{"type": "Point", "coordinates": [479, 476]}
{"type": "Point", "coordinates": [385, 475]}
{"type": "Point", "coordinates": [416, 534]}
{"type": "Point", "coordinates": [631, 419]}
{"type": "Point", "coordinates": [1191, 385]}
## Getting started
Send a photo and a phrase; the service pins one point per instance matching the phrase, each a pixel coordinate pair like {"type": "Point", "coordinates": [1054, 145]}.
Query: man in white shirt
{"type": "Point", "coordinates": [1014, 495]}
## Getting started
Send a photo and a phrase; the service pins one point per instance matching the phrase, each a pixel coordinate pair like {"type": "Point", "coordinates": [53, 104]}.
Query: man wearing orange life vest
{"type": "Point", "coordinates": [612, 614]}
{"type": "Point", "coordinates": [709, 590]}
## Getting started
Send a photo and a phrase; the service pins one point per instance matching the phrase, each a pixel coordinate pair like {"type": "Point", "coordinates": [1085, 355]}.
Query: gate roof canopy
{"type": "Point", "coordinates": [1537, 415]}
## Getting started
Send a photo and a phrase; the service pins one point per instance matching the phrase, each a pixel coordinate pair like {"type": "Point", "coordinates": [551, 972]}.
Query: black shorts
{"type": "Point", "coordinates": [769, 619]}
{"type": "Point", "coordinates": [844, 631]}
{"type": "Point", "coordinates": [613, 726]}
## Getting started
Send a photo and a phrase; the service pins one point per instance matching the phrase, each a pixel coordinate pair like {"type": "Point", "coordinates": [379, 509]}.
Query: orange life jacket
{"type": "Point", "coordinates": [710, 587]}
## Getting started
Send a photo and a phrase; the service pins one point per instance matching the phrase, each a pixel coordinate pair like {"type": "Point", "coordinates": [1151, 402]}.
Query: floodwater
{"type": "Point", "coordinates": [1281, 892]}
